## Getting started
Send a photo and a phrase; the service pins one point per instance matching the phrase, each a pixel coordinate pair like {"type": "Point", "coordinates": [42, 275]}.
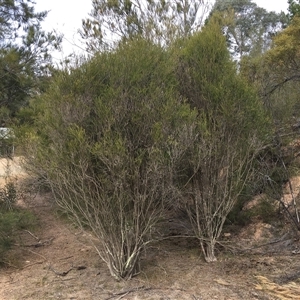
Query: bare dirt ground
{"type": "Point", "coordinates": [56, 261]}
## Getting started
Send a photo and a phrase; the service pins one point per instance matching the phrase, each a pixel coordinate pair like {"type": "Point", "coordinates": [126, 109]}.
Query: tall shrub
{"type": "Point", "coordinates": [102, 141]}
{"type": "Point", "coordinates": [229, 133]}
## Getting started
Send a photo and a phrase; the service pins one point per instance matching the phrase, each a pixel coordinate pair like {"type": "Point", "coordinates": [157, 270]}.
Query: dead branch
{"type": "Point", "coordinates": [292, 194]}
{"type": "Point", "coordinates": [64, 279]}
{"type": "Point", "coordinates": [123, 296]}
{"type": "Point", "coordinates": [34, 263]}
{"type": "Point", "coordinates": [37, 245]}
{"type": "Point", "coordinates": [9, 264]}
{"type": "Point", "coordinates": [141, 288]}
{"type": "Point", "coordinates": [35, 237]}
{"type": "Point", "coordinates": [38, 254]}
{"type": "Point", "coordinates": [125, 293]}
{"type": "Point", "coordinates": [235, 249]}
{"type": "Point", "coordinates": [65, 273]}
{"type": "Point", "coordinates": [264, 245]}
{"type": "Point", "coordinates": [63, 258]}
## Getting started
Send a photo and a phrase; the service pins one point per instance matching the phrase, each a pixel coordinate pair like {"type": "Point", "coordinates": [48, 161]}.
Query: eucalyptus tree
{"type": "Point", "coordinates": [248, 28]}
{"type": "Point", "coordinates": [277, 75]}
{"type": "Point", "coordinates": [278, 66]}
{"type": "Point", "coordinates": [160, 21]}
{"type": "Point", "coordinates": [293, 8]}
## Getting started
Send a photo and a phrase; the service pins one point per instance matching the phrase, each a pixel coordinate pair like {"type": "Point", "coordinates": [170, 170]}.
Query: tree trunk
{"type": "Point", "coordinates": [208, 250]}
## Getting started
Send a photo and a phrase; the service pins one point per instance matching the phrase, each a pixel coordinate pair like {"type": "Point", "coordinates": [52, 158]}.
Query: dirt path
{"type": "Point", "coordinates": [57, 261]}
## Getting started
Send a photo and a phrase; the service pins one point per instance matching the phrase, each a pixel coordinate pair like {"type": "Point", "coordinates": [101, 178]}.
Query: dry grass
{"type": "Point", "coordinates": [287, 291]}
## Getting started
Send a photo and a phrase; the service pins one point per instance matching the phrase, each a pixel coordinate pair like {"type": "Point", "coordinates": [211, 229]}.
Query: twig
{"type": "Point", "coordinates": [63, 258]}
{"type": "Point", "coordinates": [65, 273]}
{"type": "Point", "coordinates": [232, 249]}
{"type": "Point", "coordinates": [296, 223]}
{"type": "Point", "coordinates": [292, 194]}
{"type": "Point", "coordinates": [10, 264]}
{"type": "Point", "coordinates": [235, 249]}
{"type": "Point", "coordinates": [65, 279]}
{"type": "Point", "coordinates": [32, 264]}
{"type": "Point", "coordinates": [38, 254]}
{"type": "Point", "coordinates": [38, 244]}
{"type": "Point", "coordinates": [263, 245]}
{"type": "Point", "coordinates": [175, 237]}
{"type": "Point", "coordinates": [141, 288]}
{"type": "Point", "coordinates": [123, 294]}
{"type": "Point", "coordinates": [32, 235]}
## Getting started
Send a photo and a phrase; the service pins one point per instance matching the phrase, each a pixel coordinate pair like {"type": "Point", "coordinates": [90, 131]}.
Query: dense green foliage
{"type": "Point", "coordinates": [293, 9]}
{"type": "Point", "coordinates": [12, 219]}
{"type": "Point", "coordinates": [162, 121]}
{"type": "Point", "coordinates": [24, 55]}
{"type": "Point", "coordinates": [11, 222]}
{"type": "Point", "coordinates": [133, 131]}
{"type": "Point", "coordinates": [103, 141]}
{"type": "Point", "coordinates": [276, 77]}
{"type": "Point", "coordinates": [231, 129]}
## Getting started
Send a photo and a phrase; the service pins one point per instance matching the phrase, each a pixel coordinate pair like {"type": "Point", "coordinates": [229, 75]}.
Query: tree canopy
{"type": "Point", "coordinates": [157, 20]}
{"type": "Point", "coordinates": [25, 54]}
{"type": "Point", "coordinates": [248, 28]}
{"type": "Point", "coordinates": [280, 64]}
{"type": "Point", "coordinates": [293, 9]}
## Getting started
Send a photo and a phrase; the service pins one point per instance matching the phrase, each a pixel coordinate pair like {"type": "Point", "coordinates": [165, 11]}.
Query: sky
{"type": "Point", "coordinates": [65, 16]}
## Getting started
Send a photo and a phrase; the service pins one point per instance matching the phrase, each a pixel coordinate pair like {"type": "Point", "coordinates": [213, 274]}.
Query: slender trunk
{"type": "Point", "coordinates": [208, 250]}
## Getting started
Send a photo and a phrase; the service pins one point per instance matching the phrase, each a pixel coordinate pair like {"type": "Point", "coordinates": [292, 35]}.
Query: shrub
{"type": "Point", "coordinates": [104, 141]}
{"type": "Point", "coordinates": [8, 196]}
{"type": "Point", "coordinates": [12, 219]}
{"type": "Point", "coordinates": [230, 131]}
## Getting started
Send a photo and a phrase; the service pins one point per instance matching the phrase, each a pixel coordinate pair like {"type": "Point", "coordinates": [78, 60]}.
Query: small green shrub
{"type": "Point", "coordinates": [8, 196]}
{"type": "Point", "coordinates": [6, 147]}
{"type": "Point", "coordinates": [8, 224]}
{"type": "Point", "coordinates": [266, 210]}
{"type": "Point", "coordinates": [11, 222]}
{"type": "Point", "coordinates": [238, 217]}
{"type": "Point", "coordinates": [12, 219]}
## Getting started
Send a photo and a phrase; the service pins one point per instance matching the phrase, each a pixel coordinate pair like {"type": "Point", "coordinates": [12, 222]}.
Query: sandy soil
{"type": "Point", "coordinates": [11, 168]}
{"type": "Point", "coordinates": [57, 261]}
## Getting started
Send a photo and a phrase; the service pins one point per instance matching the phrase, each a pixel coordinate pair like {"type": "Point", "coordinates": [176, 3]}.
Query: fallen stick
{"type": "Point", "coordinates": [34, 263]}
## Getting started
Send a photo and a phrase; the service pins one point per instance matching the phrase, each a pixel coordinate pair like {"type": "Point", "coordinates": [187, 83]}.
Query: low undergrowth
{"type": "Point", "coordinates": [13, 219]}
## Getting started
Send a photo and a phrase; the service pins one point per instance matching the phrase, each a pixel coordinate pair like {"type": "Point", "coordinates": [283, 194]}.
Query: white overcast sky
{"type": "Point", "coordinates": [65, 16]}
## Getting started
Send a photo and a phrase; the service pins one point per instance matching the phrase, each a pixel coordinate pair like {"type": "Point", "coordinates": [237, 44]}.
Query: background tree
{"type": "Point", "coordinates": [276, 77]}
{"type": "Point", "coordinates": [293, 9]}
{"type": "Point", "coordinates": [276, 73]}
{"type": "Point", "coordinates": [24, 55]}
{"type": "Point", "coordinates": [279, 66]}
{"type": "Point", "coordinates": [160, 21]}
{"type": "Point", "coordinates": [284, 57]}
{"type": "Point", "coordinates": [248, 28]}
